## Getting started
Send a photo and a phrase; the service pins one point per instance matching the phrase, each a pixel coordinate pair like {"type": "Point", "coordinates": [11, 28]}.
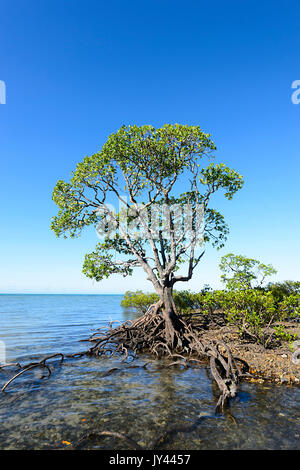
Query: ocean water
{"type": "Point", "coordinates": [139, 404]}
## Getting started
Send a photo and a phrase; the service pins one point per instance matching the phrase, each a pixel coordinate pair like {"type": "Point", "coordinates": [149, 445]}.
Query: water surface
{"type": "Point", "coordinates": [140, 403]}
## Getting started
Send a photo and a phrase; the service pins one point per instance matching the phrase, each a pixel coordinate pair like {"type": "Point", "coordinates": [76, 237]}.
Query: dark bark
{"type": "Point", "coordinates": [172, 323]}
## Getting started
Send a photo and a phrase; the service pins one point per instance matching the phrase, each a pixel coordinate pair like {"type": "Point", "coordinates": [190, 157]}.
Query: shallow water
{"type": "Point", "coordinates": [142, 404]}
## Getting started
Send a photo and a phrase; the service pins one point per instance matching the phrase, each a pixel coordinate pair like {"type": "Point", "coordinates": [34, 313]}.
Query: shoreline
{"type": "Point", "coordinates": [265, 365]}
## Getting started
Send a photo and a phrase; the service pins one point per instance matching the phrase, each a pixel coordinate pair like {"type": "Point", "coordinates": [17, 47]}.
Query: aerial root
{"type": "Point", "coordinates": [32, 365]}
{"type": "Point", "coordinates": [148, 334]}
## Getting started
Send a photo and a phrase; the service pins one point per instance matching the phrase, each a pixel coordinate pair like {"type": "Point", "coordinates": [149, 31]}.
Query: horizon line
{"type": "Point", "coordinates": [61, 293]}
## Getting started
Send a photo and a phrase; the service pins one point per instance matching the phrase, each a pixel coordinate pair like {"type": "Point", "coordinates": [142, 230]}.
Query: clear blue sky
{"type": "Point", "coordinates": [75, 71]}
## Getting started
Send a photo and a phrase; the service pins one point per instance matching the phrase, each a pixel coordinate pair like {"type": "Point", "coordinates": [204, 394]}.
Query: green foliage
{"type": "Point", "coordinates": [144, 164]}
{"type": "Point", "coordinates": [251, 307]}
{"type": "Point", "coordinates": [220, 176]}
{"type": "Point", "coordinates": [254, 311]}
{"type": "Point", "coordinates": [185, 301]}
{"type": "Point", "coordinates": [289, 307]}
{"type": "Point", "coordinates": [283, 334]}
{"type": "Point", "coordinates": [250, 310]}
{"type": "Point", "coordinates": [206, 301]}
{"type": "Point", "coordinates": [280, 290]}
{"type": "Point", "coordinates": [213, 302]}
{"type": "Point", "coordinates": [241, 273]}
{"type": "Point", "coordinates": [100, 263]}
{"type": "Point", "coordinates": [139, 300]}
{"type": "Point", "coordinates": [147, 156]}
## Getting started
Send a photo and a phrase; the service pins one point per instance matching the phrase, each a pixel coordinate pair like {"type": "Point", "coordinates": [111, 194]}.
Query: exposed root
{"type": "Point", "coordinates": [149, 334]}
{"type": "Point", "coordinates": [32, 365]}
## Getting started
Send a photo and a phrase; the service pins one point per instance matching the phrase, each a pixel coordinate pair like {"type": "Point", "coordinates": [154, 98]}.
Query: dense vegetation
{"type": "Point", "coordinates": [258, 311]}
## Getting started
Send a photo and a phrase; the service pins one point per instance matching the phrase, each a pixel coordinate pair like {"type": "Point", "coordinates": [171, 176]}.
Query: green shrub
{"type": "Point", "coordinates": [283, 334]}
{"type": "Point", "coordinates": [242, 273]}
{"type": "Point", "coordinates": [251, 311]}
{"type": "Point", "coordinates": [280, 290]}
{"type": "Point", "coordinates": [185, 301]}
{"type": "Point", "coordinates": [289, 307]}
{"type": "Point", "coordinates": [139, 300]}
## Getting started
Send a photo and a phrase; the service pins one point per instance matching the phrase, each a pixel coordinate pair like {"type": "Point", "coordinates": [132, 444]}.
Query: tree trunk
{"type": "Point", "coordinates": [172, 322]}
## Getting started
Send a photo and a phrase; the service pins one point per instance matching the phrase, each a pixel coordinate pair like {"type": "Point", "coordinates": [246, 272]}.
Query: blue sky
{"type": "Point", "coordinates": [76, 71]}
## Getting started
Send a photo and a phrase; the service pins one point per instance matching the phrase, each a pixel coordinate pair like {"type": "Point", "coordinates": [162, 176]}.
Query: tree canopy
{"type": "Point", "coordinates": [146, 168]}
{"type": "Point", "coordinates": [240, 272]}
